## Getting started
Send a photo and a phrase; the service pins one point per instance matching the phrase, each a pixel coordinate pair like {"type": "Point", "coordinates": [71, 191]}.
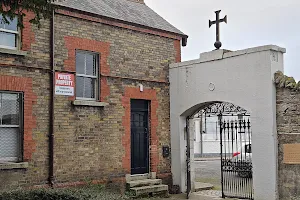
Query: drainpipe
{"type": "Point", "coordinates": [51, 125]}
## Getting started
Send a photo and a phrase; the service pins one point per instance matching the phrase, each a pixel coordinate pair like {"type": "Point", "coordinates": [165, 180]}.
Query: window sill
{"type": "Point", "coordinates": [13, 52]}
{"type": "Point", "coordinates": [5, 166]}
{"type": "Point", "coordinates": [89, 103]}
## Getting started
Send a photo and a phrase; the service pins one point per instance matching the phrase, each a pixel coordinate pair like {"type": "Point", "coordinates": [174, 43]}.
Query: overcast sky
{"type": "Point", "coordinates": [250, 23]}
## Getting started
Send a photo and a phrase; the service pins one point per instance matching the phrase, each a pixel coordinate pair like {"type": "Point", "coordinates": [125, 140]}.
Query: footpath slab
{"type": "Point", "coordinates": [202, 195]}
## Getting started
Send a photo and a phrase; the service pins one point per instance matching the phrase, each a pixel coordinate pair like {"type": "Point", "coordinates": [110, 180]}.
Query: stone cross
{"type": "Point", "coordinates": [218, 44]}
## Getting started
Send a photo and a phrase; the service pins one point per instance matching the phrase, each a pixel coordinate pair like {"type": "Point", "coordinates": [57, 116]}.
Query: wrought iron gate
{"type": "Point", "coordinates": [236, 158]}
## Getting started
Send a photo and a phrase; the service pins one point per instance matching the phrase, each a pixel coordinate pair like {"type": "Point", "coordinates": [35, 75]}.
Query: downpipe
{"type": "Point", "coordinates": [52, 104]}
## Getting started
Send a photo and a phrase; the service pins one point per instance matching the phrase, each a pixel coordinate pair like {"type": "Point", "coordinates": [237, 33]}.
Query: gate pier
{"type": "Point", "coordinates": [243, 78]}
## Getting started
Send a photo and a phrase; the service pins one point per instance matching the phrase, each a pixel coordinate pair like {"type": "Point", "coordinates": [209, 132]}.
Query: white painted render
{"type": "Point", "coordinates": [244, 78]}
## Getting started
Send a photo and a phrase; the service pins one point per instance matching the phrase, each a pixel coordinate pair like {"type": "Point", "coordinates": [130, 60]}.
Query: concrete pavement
{"type": "Point", "coordinates": [203, 195]}
{"type": "Point", "coordinates": [192, 197]}
{"type": "Point", "coordinates": [209, 171]}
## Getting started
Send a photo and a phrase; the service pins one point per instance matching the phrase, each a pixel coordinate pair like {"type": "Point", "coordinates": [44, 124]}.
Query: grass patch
{"type": "Point", "coordinates": [89, 192]}
{"type": "Point", "coordinates": [95, 192]}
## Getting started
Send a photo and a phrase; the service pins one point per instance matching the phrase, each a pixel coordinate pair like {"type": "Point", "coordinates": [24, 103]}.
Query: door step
{"type": "Point", "coordinates": [136, 177]}
{"type": "Point", "coordinates": [144, 182]}
{"type": "Point", "coordinates": [145, 185]}
{"type": "Point", "coordinates": [149, 190]}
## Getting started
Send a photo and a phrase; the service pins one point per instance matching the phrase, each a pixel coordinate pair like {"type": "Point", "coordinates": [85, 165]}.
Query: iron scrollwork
{"type": "Point", "coordinates": [223, 108]}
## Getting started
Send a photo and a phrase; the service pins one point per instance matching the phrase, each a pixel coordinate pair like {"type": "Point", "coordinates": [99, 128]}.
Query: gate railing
{"type": "Point", "coordinates": [236, 159]}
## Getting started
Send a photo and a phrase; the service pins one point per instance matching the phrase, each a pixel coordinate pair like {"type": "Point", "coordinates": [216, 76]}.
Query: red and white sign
{"type": "Point", "coordinates": [64, 84]}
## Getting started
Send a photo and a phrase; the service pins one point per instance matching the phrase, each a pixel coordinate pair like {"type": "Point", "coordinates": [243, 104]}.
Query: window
{"type": "Point", "coordinates": [8, 33]}
{"type": "Point", "coordinates": [87, 78]}
{"type": "Point", "coordinates": [10, 127]}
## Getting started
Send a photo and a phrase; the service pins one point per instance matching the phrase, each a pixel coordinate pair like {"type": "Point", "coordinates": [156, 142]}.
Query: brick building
{"type": "Point", "coordinates": [118, 121]}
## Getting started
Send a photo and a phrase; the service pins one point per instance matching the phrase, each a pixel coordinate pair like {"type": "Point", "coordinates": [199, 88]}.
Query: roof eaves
{"type": "Point", "coordinates": [183, 36]}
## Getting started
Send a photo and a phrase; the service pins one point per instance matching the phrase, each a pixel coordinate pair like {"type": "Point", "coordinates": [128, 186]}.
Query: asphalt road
{"type": "Point", "coordinates": [209, 172]}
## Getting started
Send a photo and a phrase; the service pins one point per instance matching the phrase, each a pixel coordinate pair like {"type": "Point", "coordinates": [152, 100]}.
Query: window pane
{"type": "Point", "coordinates": [79, 86]}
{"type": "Point", "coordinates": [12, 25]}
{"type": "Point", "coordinates": [7, 39]}
{"type": "Point", "coordinates": [91, 64]}
{"type": "Point", "coordinates": [85, 87]}
{"type": "Point", "coordinates": [9, 109]}
{"type": "Point", "coordinates": [80, 63]}
{"type": "Point", "coordinates": [86, 65]}
{"type": "Point", "coordinates": [89, 88]}
{"type": "Point", "coordinates": [96, 68]}
{"type": "Point", "coordinates": [9, 144]}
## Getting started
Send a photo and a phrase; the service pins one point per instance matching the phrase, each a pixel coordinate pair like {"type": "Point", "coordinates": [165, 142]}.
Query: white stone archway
{"type": "Point", "coordinates": [244, 78]}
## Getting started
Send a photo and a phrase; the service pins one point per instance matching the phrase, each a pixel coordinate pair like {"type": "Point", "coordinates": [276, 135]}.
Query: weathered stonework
{"type": "Point", "coordinates": [288, 129]}
{"type": "Point", "coordinates": [88, 139]}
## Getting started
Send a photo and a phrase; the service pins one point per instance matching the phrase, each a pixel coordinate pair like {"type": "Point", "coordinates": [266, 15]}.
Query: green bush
{"type": "Point", "coordinates": [46, 194]}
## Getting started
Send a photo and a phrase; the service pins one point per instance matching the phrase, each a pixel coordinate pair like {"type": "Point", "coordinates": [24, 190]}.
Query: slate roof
{"type": "Point", "coordinates": [136, 13]}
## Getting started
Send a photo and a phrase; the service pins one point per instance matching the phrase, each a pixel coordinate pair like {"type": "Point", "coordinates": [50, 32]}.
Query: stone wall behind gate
{"type": "Point", "coordinates": [288, 130]}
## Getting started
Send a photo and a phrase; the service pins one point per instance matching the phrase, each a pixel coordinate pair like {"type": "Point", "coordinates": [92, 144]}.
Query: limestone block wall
{"type": "Point", "coordinates": [288, 130]}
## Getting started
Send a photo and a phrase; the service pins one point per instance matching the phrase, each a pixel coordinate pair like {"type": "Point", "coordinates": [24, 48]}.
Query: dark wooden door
{"type": "Point", "coordinates": [139, 137]}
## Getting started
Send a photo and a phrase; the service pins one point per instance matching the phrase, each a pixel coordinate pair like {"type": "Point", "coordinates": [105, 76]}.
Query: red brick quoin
{"type": "Point", "coordinates": [20, 84]}
{"type": "Point", "coordinates": [177, 47]}
{"type": "Point", "coordinates": [147, 94]}
{"type": "Point", "coordinates": [103, 48]}
{"type": "Point", "coordinates": [27, 35]}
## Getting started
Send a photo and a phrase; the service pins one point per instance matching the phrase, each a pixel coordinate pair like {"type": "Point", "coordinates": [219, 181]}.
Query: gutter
{"type": "Point", "coordinates": [51, 108]}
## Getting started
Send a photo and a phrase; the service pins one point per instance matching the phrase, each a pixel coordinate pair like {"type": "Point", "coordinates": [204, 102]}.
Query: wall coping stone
{"type": "Point", "coordinates": [283, 81]}
{"type": "Point", "coordinates": [89, 103]}
{"type": "Point", "coordinates": [5, 166]}
{"type": "Point", "coordinates": [13, 52]}
{"type": "Point", "coordinates": [223, 54]}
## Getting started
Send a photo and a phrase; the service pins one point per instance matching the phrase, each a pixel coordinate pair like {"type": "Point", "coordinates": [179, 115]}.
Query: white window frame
{"type": "Point", "coordinates": [97, 77]}
{"type": "Point", "coordinates": [19, 158]}
{"type": "Point", "coordinates": [16, 33]}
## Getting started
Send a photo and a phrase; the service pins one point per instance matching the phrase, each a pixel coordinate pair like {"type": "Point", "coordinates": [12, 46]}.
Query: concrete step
{"type": "Point", "coordinates": [152, 189]}
{"type": "Point", "coordinates": [144, 182]}
{"type": "Point", "coordinates": [136, 177]}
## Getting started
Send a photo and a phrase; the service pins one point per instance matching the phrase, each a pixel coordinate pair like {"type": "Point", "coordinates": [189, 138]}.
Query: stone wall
{"type": "Point", "coordinates": [90, 142]}
{"type": "Point", "coordinates": [288, 129]}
